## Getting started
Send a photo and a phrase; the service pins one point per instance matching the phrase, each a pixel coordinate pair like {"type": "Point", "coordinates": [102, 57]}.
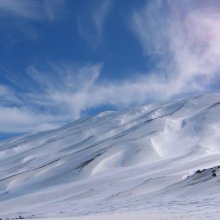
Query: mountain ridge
{"type": "Point", "coordinates": [139, 159]}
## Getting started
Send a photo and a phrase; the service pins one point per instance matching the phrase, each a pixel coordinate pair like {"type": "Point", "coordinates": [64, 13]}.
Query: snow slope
{"type": "Point", "coordinates": [144, 158]}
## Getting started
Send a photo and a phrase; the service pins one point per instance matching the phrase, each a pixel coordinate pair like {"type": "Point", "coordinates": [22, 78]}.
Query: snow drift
{"type": "Point", "coordinates": [155, 157]}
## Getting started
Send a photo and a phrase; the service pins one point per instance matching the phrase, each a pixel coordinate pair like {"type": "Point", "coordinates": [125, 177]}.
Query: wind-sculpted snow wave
{"type": "Point", "coordinates": [140, 159]}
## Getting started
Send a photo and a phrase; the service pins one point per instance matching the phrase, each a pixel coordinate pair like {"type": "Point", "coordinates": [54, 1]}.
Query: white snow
{"type": "Point", "coordinates": [141, 161]}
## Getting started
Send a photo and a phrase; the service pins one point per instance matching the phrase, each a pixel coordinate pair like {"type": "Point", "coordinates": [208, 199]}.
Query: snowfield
{"type": "Point", "coordinates": [154, 162]}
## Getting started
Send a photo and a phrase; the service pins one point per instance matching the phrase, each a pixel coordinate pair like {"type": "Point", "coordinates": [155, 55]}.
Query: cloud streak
{"type": "Point", "coordinates": [184, 40]}
{"type": "Point", "coordinates": [58, 94]}
{"type": "Point", "coordinates": [61, 93]}
{"type": "Point", "coordinates": [20, 18]}
{"type": "Point", "coordinates": [31, 9]}
{"type": "Point", "coordinates": [91, 23]}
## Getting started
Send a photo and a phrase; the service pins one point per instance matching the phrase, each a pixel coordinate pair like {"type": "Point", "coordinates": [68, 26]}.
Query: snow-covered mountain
{"type": "Point", "coordinates": [155, 157]}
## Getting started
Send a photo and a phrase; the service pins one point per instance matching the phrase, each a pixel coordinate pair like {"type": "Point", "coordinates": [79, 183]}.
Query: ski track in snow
{"type": "Point", "coordinates": [140, 160]}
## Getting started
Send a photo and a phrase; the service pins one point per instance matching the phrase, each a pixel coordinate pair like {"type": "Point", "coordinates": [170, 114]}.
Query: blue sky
{"type": "Point", "coordinates": [63, 59]}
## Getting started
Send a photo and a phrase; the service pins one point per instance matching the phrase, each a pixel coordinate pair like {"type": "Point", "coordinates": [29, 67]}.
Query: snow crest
{"type": "Point", "coordinates": [139, 159]}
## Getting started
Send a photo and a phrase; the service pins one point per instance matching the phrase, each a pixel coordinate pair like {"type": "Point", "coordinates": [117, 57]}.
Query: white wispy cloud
{"type": "Point", "coordinates": [18, 18]}
{"type": "Point", "coordinates": [54, 8]}
{"type": "Point", "coordinates": [21, 8]}
{"type": "Point", "coordinates": [100, 14]}
{"type": "Point", "coordinates": [184, 39]}
{"type": "Point", "coordinates": [91, 24]}
{"type": "Point", "coordinates": [31, 9]}
{"type": "Point", "coordinates": [60, 93]}
{"type": "Point", "coordinates": [65, 87]}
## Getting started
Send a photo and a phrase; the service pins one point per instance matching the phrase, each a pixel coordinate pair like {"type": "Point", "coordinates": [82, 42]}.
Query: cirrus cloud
{"type": "Point", "coordinates": [184, 39]}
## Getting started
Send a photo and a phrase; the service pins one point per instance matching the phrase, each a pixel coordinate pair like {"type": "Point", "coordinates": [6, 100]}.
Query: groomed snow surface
{"type": "Point", "coordinates": [150, 162]}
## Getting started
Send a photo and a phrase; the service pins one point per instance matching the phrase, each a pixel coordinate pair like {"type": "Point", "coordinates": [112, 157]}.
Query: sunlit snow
{"type": "Point", "coordinates": [156, 158]}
